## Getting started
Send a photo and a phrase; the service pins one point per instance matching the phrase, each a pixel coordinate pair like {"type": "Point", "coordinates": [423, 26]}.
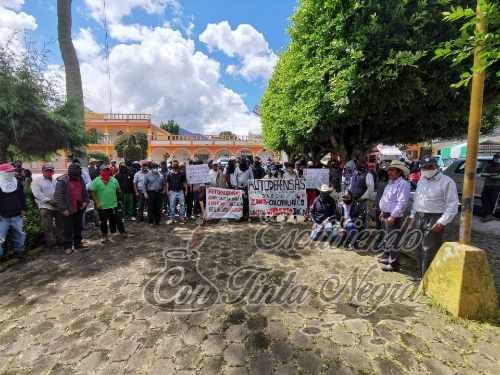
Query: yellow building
{"type": "Point", "coordinates": [161, 143]}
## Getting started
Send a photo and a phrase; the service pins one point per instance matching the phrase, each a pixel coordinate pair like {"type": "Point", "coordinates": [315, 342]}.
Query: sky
{"type": "Point", "coordinates": [202, 63]}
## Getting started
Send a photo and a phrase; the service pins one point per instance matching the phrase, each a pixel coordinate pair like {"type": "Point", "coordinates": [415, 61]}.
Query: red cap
{"type": "Point", "coordinates": [6, 167]}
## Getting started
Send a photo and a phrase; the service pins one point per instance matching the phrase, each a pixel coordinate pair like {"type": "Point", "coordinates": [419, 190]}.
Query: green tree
{"type": "Point", "coordinates": [226, 134]}
{"type": "Point", "coordinates": [170, 126]}
{"type": "Point", "coordinates": [140, 139]}
{"type": "Point", "coordinates": [99, 156]}
{"type": "Point", "coordinates": [32, 121]}
{"type": "Point", "coordinates": [133, 151]}
{"type": "Point", "coordinates": [462, 48]}
{"type": "Point", "coordinates": [93, 136]}
{"type": "Point", "coordinates": [461, 51]}
{"type": "Point", "coordinates": [360, 72]}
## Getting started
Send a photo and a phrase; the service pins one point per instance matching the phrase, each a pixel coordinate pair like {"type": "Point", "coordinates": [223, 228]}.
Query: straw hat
{"type": "Point", "coordinates": [396, 164]}
{"type": "Point", "coordinates": [324, 188]}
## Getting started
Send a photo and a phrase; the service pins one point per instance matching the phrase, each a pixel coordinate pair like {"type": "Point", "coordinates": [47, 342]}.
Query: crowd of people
{"type": "Point", "coordinates": [110, 195]}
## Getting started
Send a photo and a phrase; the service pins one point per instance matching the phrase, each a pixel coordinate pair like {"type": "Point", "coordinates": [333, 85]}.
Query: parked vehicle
{"type": "Point", "coordinates": [223, 162]}
{"type": "Point", "coordinates": [456, 171]}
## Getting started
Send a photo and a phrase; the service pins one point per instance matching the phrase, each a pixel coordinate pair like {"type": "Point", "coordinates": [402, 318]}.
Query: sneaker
{"type": "Point", "coordinates": [169, 221]}
{"type": "Point", "coordinates": [20, 256]}
{"type": "Point", "coordinates": [390, 268]}
{"type": "Point", "coordinates": [383, 260]}
{"type": "Point", "coordinates": [68, 251]}
{"type": "Point", "coordinates": [105, 240]}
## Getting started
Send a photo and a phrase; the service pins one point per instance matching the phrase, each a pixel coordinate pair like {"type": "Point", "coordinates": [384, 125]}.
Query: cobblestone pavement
{"type": "Point", "coordinates": [86, 313]}
{"type": "Point", "coordinates": [486, 236]}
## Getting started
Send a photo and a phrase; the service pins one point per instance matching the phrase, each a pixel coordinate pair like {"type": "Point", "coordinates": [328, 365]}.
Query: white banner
{"type": "Point", "coordinates": [315, 177]}
{"type": "Point", "coordinates": [224, 203]}
{"type": "Point", "coordinates": [270, 197]}
{"type": "Point", "coordinates": [197, 174]}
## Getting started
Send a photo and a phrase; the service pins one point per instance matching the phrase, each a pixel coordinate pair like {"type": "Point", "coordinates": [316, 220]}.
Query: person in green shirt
{"type": "Point", "coordinates": [105, 190]}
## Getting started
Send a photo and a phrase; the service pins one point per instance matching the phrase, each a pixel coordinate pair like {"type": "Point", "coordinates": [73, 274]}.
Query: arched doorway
{"type": "Point", "coordinates": [246, 153]}
{"type": "Point", "coordinates": [202, 154]}
{"type": "Point", "coordinates": [223, 154]}
{"type": "Point", "coordinates": [182, 155]}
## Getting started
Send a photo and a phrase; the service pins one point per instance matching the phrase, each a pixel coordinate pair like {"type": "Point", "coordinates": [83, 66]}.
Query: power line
{"type": "Point", "coordinates": [108, 67]}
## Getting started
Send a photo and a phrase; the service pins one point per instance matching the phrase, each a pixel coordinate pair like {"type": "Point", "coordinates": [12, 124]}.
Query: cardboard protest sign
{"type": "Point", "coordinates": [270, 197]}
{"type": "Point", "coordinates": [315, 177]}
{"type": "Point", "coordinates": [224, 203]}
{"type": "Point", "coordinates": [197, 174]}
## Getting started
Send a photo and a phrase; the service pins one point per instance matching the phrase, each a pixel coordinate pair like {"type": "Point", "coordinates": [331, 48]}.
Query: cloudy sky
{"type": "Point", "coordinates": [203, 63]}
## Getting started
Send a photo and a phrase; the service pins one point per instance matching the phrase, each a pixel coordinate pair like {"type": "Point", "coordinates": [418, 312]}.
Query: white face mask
{"type": "Point", "coordinates": [7, 176]}
{"type": "Point", "coordinates": [429, 174]}
{"type": "Point", "coordinates": [8, 182]}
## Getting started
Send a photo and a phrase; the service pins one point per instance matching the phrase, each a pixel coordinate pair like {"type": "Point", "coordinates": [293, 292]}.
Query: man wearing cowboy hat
{"type": "Point", "coordinates": [323, 208]}
{"type": "Point", "coordinates": [435, 206]}
{"type": "Point", "coordinates": [93, 170]}
{"type": "Point", "coordinates": [12, 209]}
{"type": "Point", "coordinates": [393, 205]}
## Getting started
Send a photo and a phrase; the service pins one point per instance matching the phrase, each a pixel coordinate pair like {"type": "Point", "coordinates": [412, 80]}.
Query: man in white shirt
{"type": "Point", "coordinates": [140, 190]}
{"type": "Point", "coordinates": [435, 206]}
{"type": "Point", "coordinates": [43, 190]}
{"type": "Point", "coordinates": [393, 205]}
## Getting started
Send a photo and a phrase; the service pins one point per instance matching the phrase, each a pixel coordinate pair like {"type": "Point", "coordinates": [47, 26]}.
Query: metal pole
{"type": "Point", "coordinates": [476, 107]}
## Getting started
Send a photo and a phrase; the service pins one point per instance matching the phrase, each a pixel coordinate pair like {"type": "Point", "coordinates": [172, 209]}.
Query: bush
{"type": "Point", "coordinates": [31, 224]}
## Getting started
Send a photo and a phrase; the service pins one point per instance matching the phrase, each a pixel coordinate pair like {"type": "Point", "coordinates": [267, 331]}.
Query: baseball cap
{"type": "Point", "coordinates": [48, 167]}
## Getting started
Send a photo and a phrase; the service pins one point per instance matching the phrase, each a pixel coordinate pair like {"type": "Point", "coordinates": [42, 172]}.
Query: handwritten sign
{"type": "Point", "coordinates": [197, 174]}
{"type": "Point", "coordinates": [271, 197]}
{"type": "Point", "coordinates": [315, 177]}
{"type": "Point", "coordinates": [224, 203]}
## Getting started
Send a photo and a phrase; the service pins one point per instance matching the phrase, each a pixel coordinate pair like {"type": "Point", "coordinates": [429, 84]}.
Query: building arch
{"type": "Point", "coordinates": [158, 154]}
{"type": "Point", "coordinates": [203, 154]}
{"type": "Point", "coordinates": [246, 152]}
{"type": "Point", "coordinates": [181, 154]}
{"type": "Point", "coordinates": [223, 153]}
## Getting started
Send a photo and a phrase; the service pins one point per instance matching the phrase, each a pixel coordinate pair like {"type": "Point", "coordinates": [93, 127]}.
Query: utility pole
{"type": "Point", "coordinates": [476, 108]}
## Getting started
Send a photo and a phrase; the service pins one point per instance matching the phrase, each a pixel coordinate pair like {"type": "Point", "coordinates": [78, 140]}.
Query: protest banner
{"type": "Point", "coordinates": [270, 197]}
{"type": "Point", "coordinates": [197, 174]}
{"type": "Point", "coordinates": [315, 177]}
{"type": "Point", "coordinates": [224, 203]}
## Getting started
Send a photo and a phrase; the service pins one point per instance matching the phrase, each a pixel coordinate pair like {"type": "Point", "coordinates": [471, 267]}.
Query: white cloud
{"type": "Point", "coordinates": [14, 24]}
{"type": "Point", "coordinates": [245, 42]}
{"type": "Point", "coordinates": [86, 45]}
{"type": "Point", "coordinates": [117, 9]}
{"type": "Point", "coordinates": [160, 72]}
{"type": "Point", "coordinates": [12, 4]}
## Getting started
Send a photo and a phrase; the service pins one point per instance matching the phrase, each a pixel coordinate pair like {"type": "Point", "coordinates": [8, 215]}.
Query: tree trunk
{"type": "Point", "coordinates": [74, 89]}
{"type": "Point", "coordinates": [4, 157]}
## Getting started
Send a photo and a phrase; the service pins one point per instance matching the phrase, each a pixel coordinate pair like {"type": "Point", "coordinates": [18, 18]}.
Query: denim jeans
{"type": "Point", "coordinates": [321, 231]}
{"type": "Point", "coordinates": [177, 198]}
{"type": "Point", "coordinates": [15, 224]}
